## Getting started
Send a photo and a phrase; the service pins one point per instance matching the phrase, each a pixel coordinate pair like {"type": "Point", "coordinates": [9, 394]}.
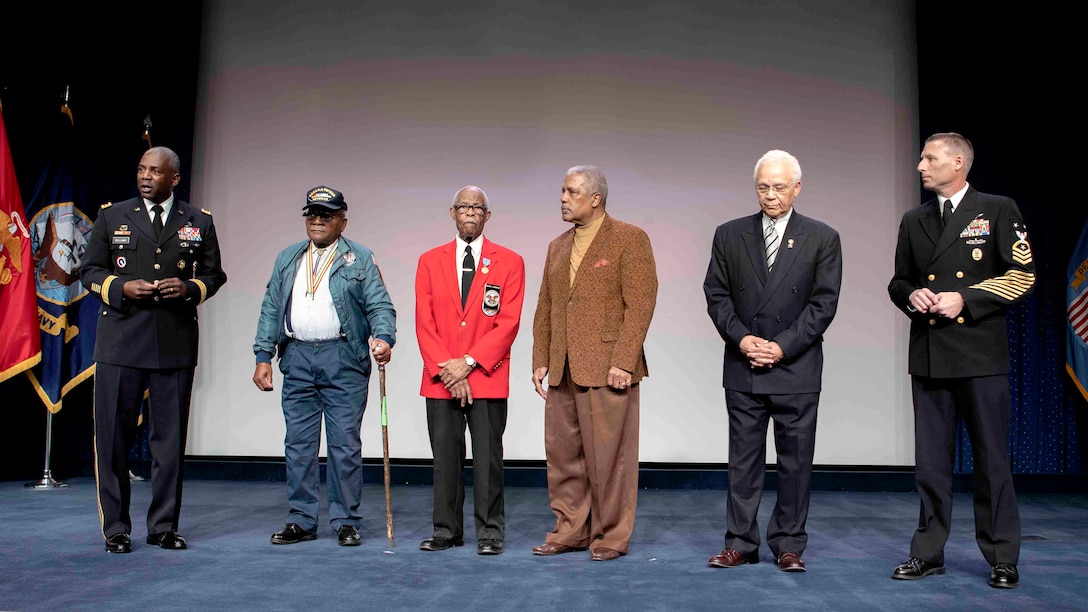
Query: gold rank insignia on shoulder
{"type": "Point", "coordinates": [206, 211]}
{"type": "Point", "coordinates": [106, 205]}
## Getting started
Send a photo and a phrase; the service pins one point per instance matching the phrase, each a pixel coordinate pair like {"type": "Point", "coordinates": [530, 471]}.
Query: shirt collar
{"type": "Point", "coordinates": [477, 246]}
{"type": "Point", "coordinates": [956, 197]}
{"type": "Point", "coordinates": [167, 204]}
{"type": "Point", "coordinates": [329, 249]}
{"type": "Point", "coordinates": [780, 222]}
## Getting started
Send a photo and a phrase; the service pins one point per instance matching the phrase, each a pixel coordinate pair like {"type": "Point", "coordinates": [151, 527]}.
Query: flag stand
{"type": "Point", "coordinates": [47, 481]}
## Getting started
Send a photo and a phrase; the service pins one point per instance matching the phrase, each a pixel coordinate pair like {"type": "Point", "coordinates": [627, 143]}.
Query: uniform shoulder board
{"type": "Point", "coordinates": [206, 211]}
{"type": "Point", "coordinates": [106, 205]}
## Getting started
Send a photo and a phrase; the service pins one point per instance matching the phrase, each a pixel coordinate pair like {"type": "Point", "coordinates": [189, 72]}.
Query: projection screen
{"type": "Point", "coordinates": [398, 105]}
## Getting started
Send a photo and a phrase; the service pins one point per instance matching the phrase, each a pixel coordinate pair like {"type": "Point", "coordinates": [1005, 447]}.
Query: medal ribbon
{"type": "Point", "coordinates": [317, 275]}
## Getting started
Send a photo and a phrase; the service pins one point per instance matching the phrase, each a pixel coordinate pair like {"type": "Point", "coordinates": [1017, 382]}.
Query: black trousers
{"type": "Point", "coordinates": [794, 417]}
{"type": "Point", "coordinates": [486, 420]}
{"type": "Point", "coordinates": [983, 404]}
{"type": "Point", "coordinates": [118, 393]}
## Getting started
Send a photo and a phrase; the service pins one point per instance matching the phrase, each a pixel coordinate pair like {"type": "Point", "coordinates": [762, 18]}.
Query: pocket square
{"type": "Point", "coordinates": [600, 262]}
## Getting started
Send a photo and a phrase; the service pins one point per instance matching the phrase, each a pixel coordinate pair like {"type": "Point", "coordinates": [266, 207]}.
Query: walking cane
{"type": "Point", "coordinates": [385, 461]}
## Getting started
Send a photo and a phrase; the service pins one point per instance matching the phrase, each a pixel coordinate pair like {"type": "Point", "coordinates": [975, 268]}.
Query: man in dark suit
{"type": "Point", "coordinates": [596, 301]}
{"type": "Point", "coordinates": [772, 288]}
{"type": "Point", "coordinates": [469, 294]}
{"type": "Point", "coordinates": [962, 259]}
{"type": "Point", "coordinates": [152, 260]}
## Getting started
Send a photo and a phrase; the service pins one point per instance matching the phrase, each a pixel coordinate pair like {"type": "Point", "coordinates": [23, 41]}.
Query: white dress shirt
{"type": "Point", "coordinates": [313, 318]}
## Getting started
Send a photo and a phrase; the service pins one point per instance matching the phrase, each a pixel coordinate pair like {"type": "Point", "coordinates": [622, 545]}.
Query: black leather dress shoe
{"type": "Point", "coordinates": [119, 543]}
{"type": "Point", "coordinates": [348, 535]}
{"type": "Point", "coordinates": [1004, 576]}
{"type": "Point", "coordinates": [437, 543]}
{"type": "Point", "coordinates": [292, 534]}
{"type": "Point", "coordinates": [489, 547]}
{"type": "Point", "coordinates": [170, 540]}
{"type": "Point", "coordinates": [916, 569]}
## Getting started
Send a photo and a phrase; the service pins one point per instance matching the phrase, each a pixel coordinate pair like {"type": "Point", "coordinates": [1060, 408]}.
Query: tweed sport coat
{"type": "Point", "coordinates": [601, 320]}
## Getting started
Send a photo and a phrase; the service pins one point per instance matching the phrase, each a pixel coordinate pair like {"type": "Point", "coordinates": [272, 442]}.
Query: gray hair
{"type": "Point", "coordinates": [778, 155]}
{"type": "Point", "coordinates": [956, 145]}
{"type": "Point", "coordinates": [175, 161]}
{"type": "Point", "coordinates": [595, 181]}
{"type": "Point", "coordinates": [473, 188]}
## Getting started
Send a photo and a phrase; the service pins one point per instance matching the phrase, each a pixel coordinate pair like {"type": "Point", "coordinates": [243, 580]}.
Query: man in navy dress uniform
{"type": "Point", "coordinates": [962, 259]}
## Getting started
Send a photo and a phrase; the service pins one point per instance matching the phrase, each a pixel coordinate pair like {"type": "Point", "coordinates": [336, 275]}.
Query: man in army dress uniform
{"type": "Point", "coordinates": [152, 260]}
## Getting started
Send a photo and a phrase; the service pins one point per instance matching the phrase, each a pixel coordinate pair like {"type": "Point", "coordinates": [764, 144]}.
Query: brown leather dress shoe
{"type": "Point", "coordinates": [548, 549]}
{"type": "Point", "coordinates": [605, 554]}
{"type": "Point", "coordinates": [790, 562]}
{"type": "Point", "coordinates": [732, 558]}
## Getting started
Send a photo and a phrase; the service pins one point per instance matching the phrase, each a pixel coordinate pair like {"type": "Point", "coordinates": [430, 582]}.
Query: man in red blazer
{"type": "Point", "coordinates": [597, 297]}
{"type": "Point", "coordinates": [469, 294]}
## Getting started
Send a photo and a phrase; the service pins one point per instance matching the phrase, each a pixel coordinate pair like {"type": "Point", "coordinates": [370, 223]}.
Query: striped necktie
{"type": "Point", "coordinates": [770, 242]}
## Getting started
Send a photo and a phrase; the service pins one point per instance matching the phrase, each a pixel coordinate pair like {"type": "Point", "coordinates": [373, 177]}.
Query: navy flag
{"type": "Point", "coordinates": [61, 219]}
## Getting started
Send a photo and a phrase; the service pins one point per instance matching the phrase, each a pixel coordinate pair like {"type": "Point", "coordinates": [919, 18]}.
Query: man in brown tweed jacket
{"type": "Point", "coordinates": [596, 301]}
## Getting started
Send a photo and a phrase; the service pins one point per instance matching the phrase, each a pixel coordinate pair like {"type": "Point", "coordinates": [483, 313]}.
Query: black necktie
{"type": "Point", "coordinates": [156, 222]}
{"type": "Point", "coordinates": [946, 216]}
{"type": "Point", "coordinates": [468, 270]}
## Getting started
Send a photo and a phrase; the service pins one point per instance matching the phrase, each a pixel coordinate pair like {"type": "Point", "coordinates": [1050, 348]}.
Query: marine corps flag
{"type": "Point", "coordinates": [67, 312]}
{"type": "Point", "coordinates": [1076, 343]}
{"type": "Point", "coordinates": [19, 344]}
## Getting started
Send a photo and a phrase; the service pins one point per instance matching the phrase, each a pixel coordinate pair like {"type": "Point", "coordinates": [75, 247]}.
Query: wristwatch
{"type": "Point", "coordinates": [470, 361]}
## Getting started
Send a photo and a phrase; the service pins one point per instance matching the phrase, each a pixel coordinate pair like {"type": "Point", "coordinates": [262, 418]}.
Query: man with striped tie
{"type": "Point", "coordinates": [772, 288]}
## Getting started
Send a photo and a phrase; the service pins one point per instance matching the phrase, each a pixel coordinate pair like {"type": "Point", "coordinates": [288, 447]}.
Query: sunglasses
{"type": "Point", "coordinates": [324, 215]}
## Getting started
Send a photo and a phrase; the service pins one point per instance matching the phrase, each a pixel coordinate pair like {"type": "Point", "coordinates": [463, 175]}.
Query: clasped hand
{"type": "Point", "coordinates": [454, 374]}
{"type": "Point", "coordinates": [946, 303]}
{"type": "Point", "coordinates": [761, 353]}
{"type": "Point", "coordinates": [169, 288]}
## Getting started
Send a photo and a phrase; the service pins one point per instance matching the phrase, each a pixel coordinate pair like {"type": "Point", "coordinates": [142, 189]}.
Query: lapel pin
{"type": "Point", "coordinates": [789, 243]}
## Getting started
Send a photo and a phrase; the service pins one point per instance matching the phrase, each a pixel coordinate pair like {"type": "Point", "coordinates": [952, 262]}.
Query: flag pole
{"type": "Point", "coordinates": [47, 481]}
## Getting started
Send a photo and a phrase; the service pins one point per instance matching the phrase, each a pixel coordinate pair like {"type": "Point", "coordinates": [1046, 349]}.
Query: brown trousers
{"type": "Point", "coordinates": [591, 444]}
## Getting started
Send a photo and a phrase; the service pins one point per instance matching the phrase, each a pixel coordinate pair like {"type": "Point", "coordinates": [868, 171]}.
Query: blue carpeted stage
{"type": "Point", "coordinates": [53, 557]}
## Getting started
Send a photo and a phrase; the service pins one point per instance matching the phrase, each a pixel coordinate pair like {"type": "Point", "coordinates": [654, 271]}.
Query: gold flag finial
{"type": "Point", "coordinates": [147, 131]}
{"type": "Point", "coordinates": [65, 109]}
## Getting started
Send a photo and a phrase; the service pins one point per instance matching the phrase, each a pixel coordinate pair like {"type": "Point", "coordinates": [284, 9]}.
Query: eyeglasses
{"type": "Point", "coordinates": [324, 215]}
{"type": "Point", "coordinates": [475, 209]}
{"type": "Point", "coordinates": [779, 189]}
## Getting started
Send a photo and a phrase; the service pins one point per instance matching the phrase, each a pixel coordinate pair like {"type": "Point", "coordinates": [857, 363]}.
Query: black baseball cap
{"type": "Point", "coordinates": [326, 198]}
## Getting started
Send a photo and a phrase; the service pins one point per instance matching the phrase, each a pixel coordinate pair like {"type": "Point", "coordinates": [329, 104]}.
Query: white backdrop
{"type": "Point", "coordinates": [400, 107]}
